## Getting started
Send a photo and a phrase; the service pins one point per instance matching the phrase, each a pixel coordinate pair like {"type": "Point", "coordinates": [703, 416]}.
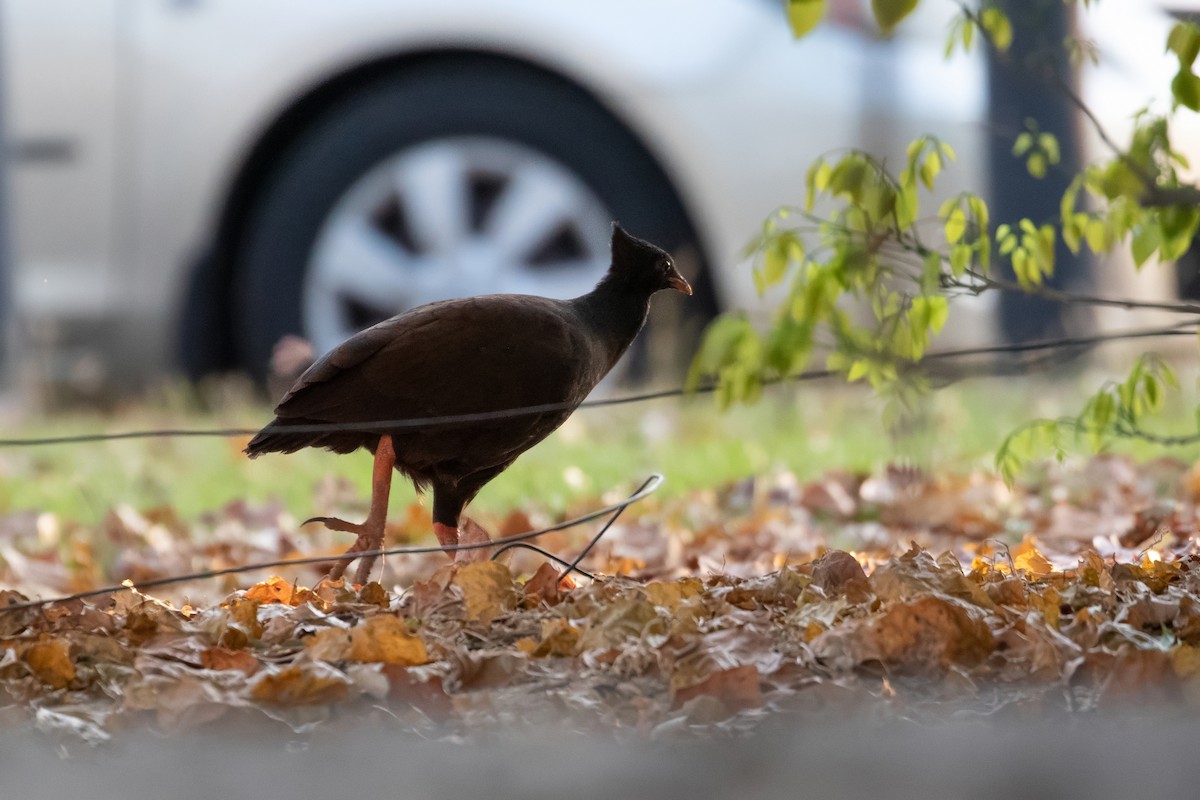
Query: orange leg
{"type": "Point", "coordinates": [370, 531]}
{"type": "Point", "coordinates": [446, 536]}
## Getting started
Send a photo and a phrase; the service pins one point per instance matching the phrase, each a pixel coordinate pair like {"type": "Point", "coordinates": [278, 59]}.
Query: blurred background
{"type": "Point", "coordinates": [188, 181]}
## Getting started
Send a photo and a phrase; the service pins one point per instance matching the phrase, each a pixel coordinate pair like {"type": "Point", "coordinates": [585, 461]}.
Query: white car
{"type": "Point", "coordinates": [189, 180]}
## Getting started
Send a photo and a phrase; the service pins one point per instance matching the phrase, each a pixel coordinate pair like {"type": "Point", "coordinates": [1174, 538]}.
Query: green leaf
{"type": "Point", "coordinates": [775, 263]}
{"type": "Point", "coordinates": [815, 180]}
{"type": "Point", "coordinates": [1184, 42]}
{"type": "Point", "coordinates": [889, 13]}
{"type": "Point", "coordinates": [803, 15]}
{"type": "Point", "coordinates": [907, 204]}
{"type": "Point", "coordinates": [930, 169]}
{"type": "Point", "coordinates": [960, 259]}
{"type": "Point", "coordinates": [968, 36]}
{"type": "Point", "coordinates": [932, 310]}
{"type": "Point", "coordinates": [956, 225]}
{"type": "Point", "coordinates": [979, 210]}
{"type": "Point", "coordinates": [1098, 235]}
{"type": "Point", "coordinates": [1023, 142]}
{"type": "Point", "coordinates": [1178, 227]}
{"type": "Point", "coordinates": [1145, 242]}
{"type": "Point", "coordinates": [1185, 89]}
{"type": "Point", "coordinates": [1048, 144]}
{"type": "Point", "coordinates": [996, 23]}
{"type": "Point", "coordinates": [931, 273]}
{"type": "Point", "coordinates": [1037, 165]}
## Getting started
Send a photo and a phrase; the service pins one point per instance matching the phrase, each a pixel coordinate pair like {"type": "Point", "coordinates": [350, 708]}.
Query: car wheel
{"type": "Point", "coordinates": [440, 181]}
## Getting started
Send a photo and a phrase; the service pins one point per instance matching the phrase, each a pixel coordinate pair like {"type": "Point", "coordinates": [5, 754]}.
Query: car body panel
{"type": "Point", "coordinates": [164, 101]}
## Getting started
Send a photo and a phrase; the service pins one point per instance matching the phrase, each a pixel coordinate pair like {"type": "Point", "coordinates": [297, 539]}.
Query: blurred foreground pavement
{"type": "Point", "coordinates": [1085, 756]}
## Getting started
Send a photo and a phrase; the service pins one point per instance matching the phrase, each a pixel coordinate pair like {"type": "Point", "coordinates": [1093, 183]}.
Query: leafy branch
{"type": "Point", "coordinates": [865, 281]}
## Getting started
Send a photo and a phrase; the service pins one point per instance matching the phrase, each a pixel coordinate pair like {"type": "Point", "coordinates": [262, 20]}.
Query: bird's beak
{"type": "Point", "coordinates": [677, 282]}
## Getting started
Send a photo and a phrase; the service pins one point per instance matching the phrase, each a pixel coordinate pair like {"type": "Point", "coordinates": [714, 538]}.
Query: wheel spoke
{"type": "Point", "coordinates": [356, 261]}
{"type": "Point", "coordinates": [433, 188]}
{"type": "Point", "coordinates": [533, 205]}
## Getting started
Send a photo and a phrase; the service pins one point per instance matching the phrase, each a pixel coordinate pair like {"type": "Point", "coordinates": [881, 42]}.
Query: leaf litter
{"type": "Point", "coordinates": [897, 592]}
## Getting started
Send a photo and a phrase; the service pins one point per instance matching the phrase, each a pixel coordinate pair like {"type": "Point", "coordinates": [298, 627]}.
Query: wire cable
{"type": "Point", "coordinates": [648, 487]}
{"type": "Point", "coordinates": [1076, 343]}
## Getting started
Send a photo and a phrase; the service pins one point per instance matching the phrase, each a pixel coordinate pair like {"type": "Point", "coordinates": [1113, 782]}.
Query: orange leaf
{"type": "Point", "coordinates": [386, 639]}
{"type": "Point", "coordinates": [301, 684]}
{"type": "Point", "coordinates": [222, 658]}
{"type": "Point", "coordinates": [50, 662]}
{"type": "Point", "coordinates": [1027, 557]}
{"type": "Point", "coordinates": [274, 590]}
{"type": "Point", "coordinates": [736, 688]}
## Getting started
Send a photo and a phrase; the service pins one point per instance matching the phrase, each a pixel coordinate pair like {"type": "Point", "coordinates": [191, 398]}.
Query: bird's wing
{"type": "Point", "coordinates": [458, 357]}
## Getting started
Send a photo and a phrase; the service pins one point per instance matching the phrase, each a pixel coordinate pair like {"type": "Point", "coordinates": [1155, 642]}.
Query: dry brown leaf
{"type": "Point", "coordinates": [737, 689]}
{"type": "Point", "coordinates": [422, 691]}
{"type": "Point", "coordinates": [310, 683]}
{"type": "Point", "coordinates": [672, 595]}
{"type": "Point", "coordinates": [50, 662]}
{"type": "Point", "coordinates": [472, 533]}
{"type": "Point", "coordinates": [545, 586]}
{"type": "Point", "coordinates": [558, 638]}
{"type": "Point", "coordinates": [838, 572]}
{"type": "Point", "coordinates": [243, 613]}
{"type": "Point", "coordinates": [1028, 558]}
{"type": "Point", "coordinates": [329, 644]}
{"type": "Point", "coordinates": [386, 639]}
{"type": "Point", "coordinates": [222, 658]}
{"type": "Point", "coordinates": [488, 590]}
{"type": "Point", "coordinates": [275, 590]}
{"type": "Point", "coordinates": [931, 632]}
{"type": "Point", "coordinates": [374, 594]}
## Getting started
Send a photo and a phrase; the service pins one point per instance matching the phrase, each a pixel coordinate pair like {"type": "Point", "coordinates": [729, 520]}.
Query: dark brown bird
{"type": "Point", "coordinates": [475, 355]}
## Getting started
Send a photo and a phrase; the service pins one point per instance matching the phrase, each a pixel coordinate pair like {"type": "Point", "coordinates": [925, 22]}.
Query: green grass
{"type": "Point", "coordinates": [807, 429]}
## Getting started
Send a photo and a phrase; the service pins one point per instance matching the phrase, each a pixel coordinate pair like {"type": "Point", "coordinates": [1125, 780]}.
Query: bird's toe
{"type": "Point", "coordinates": [335, 524]}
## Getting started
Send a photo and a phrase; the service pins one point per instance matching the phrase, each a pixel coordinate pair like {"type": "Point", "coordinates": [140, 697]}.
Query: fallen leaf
{"type": "Point", "coordinates": [386, 639]}
{"type": "Point", "coordinates": [672, 595]}
{"type": "Point", "coordinates": [472, 533]}
{"type": "Point", "coordinates": [544, 586]}
{"type": "Point", "coordinates": [488, 590]}
{"type": "Point", "coordinates": [50, 662]}
{"type": "Point", "coordinates": [222, 658]}
{"type": "Point", "coordinates": [1027, 557]}
{"type": "Point", "coordinates": [374, 594]}
{"type": "Point", "coordinates": [310, 683]}
{"type": "Point", "coordinates": [736, 688]}
{"type": "Point", "coordinates": [558, 638]}
{"type": "Point", "coordinates": [838, 572]}
{"type": "Point", "coordinates": [931, 633]}
{"type": "Point", "coordinates": [273, 590]}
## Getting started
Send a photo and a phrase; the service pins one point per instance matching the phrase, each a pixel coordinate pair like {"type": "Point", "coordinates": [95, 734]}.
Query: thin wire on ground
{"type": "Point", "coordinates": [648, 487]}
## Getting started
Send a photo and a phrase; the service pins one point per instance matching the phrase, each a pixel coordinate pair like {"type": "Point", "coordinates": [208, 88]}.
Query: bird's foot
{"type": "Point", "coordinates": [370, 537]}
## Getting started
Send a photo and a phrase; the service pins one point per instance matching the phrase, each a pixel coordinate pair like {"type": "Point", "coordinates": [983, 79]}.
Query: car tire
{"type": "Point", "coordinates": [416, 105]}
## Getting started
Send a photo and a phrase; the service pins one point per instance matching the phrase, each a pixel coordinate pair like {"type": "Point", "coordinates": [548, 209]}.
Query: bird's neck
{"type": "Point", "coordinates": [615, 312]}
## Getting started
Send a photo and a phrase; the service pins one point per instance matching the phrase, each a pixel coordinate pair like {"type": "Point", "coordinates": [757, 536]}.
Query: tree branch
{"type": "Point", "coordinates": [1062, 296]}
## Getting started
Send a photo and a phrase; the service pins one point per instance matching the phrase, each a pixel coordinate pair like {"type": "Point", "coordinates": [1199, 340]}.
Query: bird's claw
{"type": "Point", "coordinates": [370, 537]}
{"type": "Point", "coordinates": [335, 524]}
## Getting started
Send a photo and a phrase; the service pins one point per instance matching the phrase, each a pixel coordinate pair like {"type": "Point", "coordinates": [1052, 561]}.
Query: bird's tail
{"type": "Point", "coordinates": [276, 438]}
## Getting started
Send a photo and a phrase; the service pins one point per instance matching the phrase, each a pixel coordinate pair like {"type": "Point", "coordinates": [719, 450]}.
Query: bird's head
{"type": "Point", "coordinates": [638, 263]}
